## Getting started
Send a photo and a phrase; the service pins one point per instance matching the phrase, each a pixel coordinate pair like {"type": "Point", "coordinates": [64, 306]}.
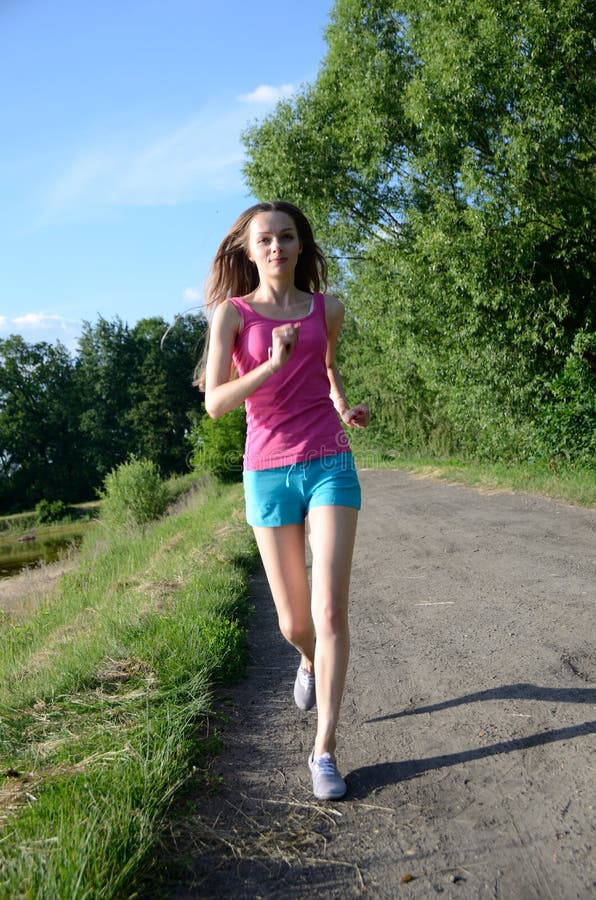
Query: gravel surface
{"type": "Point", "coordinates": [467, 731]}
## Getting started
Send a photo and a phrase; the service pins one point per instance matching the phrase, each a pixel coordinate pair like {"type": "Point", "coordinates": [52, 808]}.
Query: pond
{"type": "Point", "coordinates": [34, 548]}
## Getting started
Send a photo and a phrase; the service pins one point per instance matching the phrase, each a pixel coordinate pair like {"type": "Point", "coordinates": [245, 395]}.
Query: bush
{"type": "Point", "coordinates": [218, 445]}
{"type": "Point", "coordinates": [567, 425]}
{"type": "Point", "coordinates": [47, 511]}
{"type": "Point", "coordinates": [133, 494]}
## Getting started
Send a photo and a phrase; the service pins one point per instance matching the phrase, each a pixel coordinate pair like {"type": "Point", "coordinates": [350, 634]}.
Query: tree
{"type": "Point", "coordinates": [105, 369]}
{"type": "Point", "coordinates": [446, 156]}
{"type": "Point", "coordinates": [138, 391]}
{"type": "Point", "coordinates": [161, 393]}
{"type": "Point", "coordinates": [38, 424]}
{"type": "Point", "coordinates": [65, 423]}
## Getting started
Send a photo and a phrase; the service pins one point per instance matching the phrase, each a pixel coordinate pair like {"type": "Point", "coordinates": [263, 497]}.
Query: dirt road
{"type": "Point", "coordinates": [467, 733]}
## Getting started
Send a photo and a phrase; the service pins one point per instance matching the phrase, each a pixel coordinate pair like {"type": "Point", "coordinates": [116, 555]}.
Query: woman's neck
{"type": "Point", "coordinates": [284, 297]}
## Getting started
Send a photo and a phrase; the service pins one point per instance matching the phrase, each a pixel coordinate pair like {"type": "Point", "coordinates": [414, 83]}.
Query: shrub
{"type": "Point", "coordinates": [47, 511]}
{"type": "Point", "coordinates": [133, 494]}
{"type": "Point", "coordinates": [218, 445]}
{"type": "Point", "coordinates": [567, 425]}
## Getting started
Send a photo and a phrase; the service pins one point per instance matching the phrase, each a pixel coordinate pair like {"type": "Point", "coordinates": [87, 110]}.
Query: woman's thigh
{"type": "Point", "coordinates": [282, 551]}
{"type": "Point", "coordinates": [332, 537]}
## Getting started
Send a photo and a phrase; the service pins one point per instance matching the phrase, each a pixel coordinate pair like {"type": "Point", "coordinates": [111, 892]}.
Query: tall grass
{"type": "Point", "coordinates": [104, 694]}
{"type": "Point", "coordinates": [574, 484]}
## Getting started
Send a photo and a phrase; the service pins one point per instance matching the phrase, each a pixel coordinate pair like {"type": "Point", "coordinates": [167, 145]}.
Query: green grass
{"type": "Point", "coordinates": [14, 525]}
{"type": "Point", "coordinates": [104, 695]}
{"type": "Point", "coordinates": [570, 484]}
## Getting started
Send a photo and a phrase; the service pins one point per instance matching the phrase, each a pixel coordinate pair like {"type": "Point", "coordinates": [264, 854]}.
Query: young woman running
{"type": "Point", "coordinates": [271, 324]}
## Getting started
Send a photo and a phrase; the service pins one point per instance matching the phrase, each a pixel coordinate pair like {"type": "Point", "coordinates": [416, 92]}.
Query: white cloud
{"type": "Point", "coordinates": [40, 326]}
{"type": "Point", "coordinates": [36, 321]}
{"type": "Point", "coordinates": [267, 93]}
{"type": "Point", "coordinates": [193, 295]}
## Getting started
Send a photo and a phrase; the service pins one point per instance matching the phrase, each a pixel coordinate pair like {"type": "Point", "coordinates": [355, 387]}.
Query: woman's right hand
{"type": "Point", "coordinates": [283, 341]}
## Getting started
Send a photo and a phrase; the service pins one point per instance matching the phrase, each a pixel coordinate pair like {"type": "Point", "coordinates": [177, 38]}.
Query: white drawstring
{"type": "Point", "coordinates": [290, 470]}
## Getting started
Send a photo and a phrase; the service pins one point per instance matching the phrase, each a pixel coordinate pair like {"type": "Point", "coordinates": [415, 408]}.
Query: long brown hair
{"type": "Point", "coordinates": [232, 274]}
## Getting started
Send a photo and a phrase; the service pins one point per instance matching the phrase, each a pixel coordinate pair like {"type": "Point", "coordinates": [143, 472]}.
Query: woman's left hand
{"type": "Point", "coordinates": [357, 416]}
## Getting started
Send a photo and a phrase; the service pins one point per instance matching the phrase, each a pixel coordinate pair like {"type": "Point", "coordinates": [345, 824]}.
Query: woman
{"type": "Point", "coordinates": [272, 325]}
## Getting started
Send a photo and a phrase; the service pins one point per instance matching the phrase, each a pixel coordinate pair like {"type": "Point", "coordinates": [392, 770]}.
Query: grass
{"type": "Point", "coordinates": [104, 696]}
{"type": "Point", "coordinates": [567, 483]}
{"type": "Point", "coordinates": [16, 524]}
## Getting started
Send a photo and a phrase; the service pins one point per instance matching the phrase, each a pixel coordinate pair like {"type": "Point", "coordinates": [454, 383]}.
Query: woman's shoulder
{"type": "Point", "coordinates": [334, 308]}
{"type": "Point", "coordinates": [227, 314]}
{"type": "Point", "coordinates": [243, 305]}
{"type": "Point", "coordinates": [237, 302]}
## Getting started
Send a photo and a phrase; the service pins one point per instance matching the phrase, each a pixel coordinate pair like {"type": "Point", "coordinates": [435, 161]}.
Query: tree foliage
{"type": "Point", "coordinates": [39, 410]}
{"type": "Point", "coordinates": [218, 445]}
{"type": "Point", "coordinates": [66, 421]}
{"type": "Point", "coordinates": [445, 154]}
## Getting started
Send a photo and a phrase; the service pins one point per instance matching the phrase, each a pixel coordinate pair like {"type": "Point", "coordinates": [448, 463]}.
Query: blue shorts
{"type": "Point", "coordinates": [285, 494]}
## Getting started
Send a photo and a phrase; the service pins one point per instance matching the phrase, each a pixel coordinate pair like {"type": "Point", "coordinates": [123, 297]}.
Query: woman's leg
{"type": "Point", "coordinates": [283, 554]}
{"type": "Point", "coordinates": [332, 535]}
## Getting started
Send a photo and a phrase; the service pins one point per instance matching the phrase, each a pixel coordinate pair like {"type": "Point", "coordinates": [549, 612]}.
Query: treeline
{"type": "Point", "coordinates": [446, 155]}
{"type": "Point", "coordinates": [67, 420]}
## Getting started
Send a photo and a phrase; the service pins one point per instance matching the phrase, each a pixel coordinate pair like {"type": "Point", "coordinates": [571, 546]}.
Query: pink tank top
{"type": "Point", "coordinates": [291, 417]}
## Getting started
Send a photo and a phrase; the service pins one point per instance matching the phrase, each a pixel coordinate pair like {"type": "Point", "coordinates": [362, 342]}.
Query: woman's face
{"type": "Point", "coordinates": [273, 244]}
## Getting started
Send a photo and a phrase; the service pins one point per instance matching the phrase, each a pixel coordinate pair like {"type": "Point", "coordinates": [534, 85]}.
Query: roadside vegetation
{"type": "Point", "coordinates": [574, 484]}
{"type": "Point", "coordinates": [105, 694]}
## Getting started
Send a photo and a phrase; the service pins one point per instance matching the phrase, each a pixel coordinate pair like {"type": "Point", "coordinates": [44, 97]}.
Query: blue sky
{"type": "Point", "coordinates": [120, 157]}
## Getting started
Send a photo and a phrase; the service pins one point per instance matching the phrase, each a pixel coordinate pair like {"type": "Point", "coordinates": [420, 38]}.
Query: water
{"type": "Point", "coordinates": [17, 555]}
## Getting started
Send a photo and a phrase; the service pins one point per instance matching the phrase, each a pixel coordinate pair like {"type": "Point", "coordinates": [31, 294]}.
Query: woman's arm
{"type": "Point", "coordinates": [222, 392]}
{"type": "Point", "coordinates": [355, 416]}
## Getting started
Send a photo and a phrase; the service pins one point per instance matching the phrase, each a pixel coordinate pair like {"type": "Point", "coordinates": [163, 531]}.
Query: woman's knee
{"type": "Point", "coordinates": [330, 618]}
{"type": "Point", "coordinates": [294, 629]}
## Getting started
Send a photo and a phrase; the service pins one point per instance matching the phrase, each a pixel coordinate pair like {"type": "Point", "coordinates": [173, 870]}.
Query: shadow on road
{"type": "Point", "coordinates": [366, 779]}
{"type": "Point", "coordinates": [506, 692]}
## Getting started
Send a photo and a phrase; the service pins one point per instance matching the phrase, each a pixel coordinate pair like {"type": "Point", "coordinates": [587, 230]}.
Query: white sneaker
{"type": "Point", "coordinates": [304, 689]}
{"type": "Point", "coordinates": [327, 783]}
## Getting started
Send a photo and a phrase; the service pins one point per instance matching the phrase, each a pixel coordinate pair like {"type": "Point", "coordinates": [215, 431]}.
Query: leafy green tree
{"type": "Point", "coordinates": [446, 156]}
{"type": "Point", "coordinates": [161, 392]}
{"type": "Point", "coordinates": [218, 445]}
{"type": "Point", "coordinates": [105, 369]}
{"type": "Point", "coordinates": [39, 411]}
{"type": "Point", "coordinates": [65, 422]}
{"type": "Point", "coordinates": [138, 391]}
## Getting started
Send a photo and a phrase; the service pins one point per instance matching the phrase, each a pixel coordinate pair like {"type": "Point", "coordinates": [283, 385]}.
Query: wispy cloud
{"type": "Point", "coordinates": [32, 320]}
{"type": "Point", "coordinates": [197, 159]}
{"type": "Point", "coordinates": [41, 326]}
{"type": "Point", "coordinates": [268, 94]}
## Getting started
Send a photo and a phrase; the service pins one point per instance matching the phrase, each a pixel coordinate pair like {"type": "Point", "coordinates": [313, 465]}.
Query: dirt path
{"type": "Point", "coordinates": [467, 727]}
